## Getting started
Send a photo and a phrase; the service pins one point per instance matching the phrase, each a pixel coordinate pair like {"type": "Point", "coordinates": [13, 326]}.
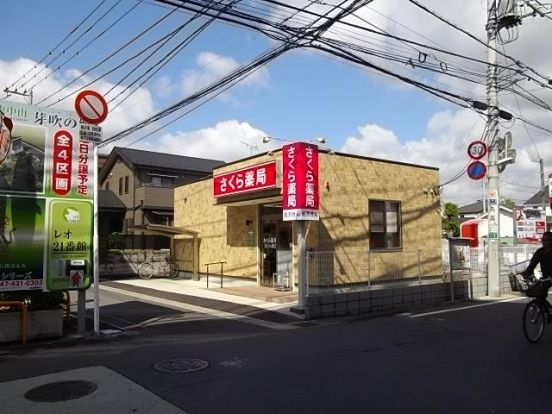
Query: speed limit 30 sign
{"type": "Point", "coordinates": [477, 150]}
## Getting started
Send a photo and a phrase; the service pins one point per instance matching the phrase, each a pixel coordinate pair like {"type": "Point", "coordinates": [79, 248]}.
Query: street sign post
{"type": "Point", "coordinates": [476, 170]}
{"type": "Point", "coordinates": [477, 150]}
{"type": "Point", "coordinates": [91, 107]}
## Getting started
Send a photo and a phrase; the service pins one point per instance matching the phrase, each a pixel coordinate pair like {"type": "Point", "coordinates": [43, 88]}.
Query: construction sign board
{"type": "Point", "coordinates": [46, 200]}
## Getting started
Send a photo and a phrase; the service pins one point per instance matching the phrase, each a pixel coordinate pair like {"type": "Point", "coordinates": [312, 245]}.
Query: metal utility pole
{"type": "Point", "coordinates": [493, 199]}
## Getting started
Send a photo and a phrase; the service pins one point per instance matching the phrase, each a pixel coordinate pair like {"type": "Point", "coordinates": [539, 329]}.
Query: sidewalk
{"type": "Point", "coordinates": [237, 299]}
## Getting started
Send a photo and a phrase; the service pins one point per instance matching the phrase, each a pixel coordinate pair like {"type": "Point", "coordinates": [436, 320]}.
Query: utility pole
{"type": "Point", "coordinates": [500, 153]}
{"type": "Point", "coordinates": [493, 262]}
{"type": "Point", "coordinates": [544, 199]}
{"type": "Point", "coordinates": [25, 94]}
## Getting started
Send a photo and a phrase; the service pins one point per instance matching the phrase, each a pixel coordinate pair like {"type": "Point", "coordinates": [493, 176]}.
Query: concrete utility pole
{"type": "Point", "coordinates": [544, 198]}
{"type": "Point", "coordinates": [493, 199]}
{"type": "Point", "coordinates": [509, 15]}
{"type": "Point", "coordinates": [25, 94]}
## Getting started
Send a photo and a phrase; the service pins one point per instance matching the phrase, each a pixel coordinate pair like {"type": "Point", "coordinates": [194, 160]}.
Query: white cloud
{"type": "Point", "coordinates": [211, 67]}
{"type": "Point", "coordinates": [164, 87]}
{"type": "Point", "coordinates": [445, 146]}
{"type": "Point", "coordinates": [223, 141]}
{"type": "Point", "coordinates": [48, 86]}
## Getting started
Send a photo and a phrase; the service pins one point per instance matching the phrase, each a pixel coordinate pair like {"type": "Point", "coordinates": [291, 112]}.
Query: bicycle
{"type": "Point", "coordinates": [538, 311]}
{"type": "Point", "coordinates": [147, 269]}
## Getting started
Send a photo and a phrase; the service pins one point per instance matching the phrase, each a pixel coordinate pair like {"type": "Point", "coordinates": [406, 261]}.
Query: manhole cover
{"type": "Point", "coordinates": [61, 391]}
{"type": "Point", "coordinates": [181, 365]}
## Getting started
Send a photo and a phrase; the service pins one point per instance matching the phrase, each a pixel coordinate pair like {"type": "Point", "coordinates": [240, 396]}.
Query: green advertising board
{"type": "Point", "coordinates": [46, 200]}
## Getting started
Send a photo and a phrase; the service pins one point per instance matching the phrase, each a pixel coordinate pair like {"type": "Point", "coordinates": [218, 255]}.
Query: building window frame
{"type": "Point", "coordinates": [385, 225]}
{"type": "Point", "coordinates": [161, 180]}
{"type": "Point", "coordinates": [120, 185]}
{"type": "Point", "coordinates": [126, 184]}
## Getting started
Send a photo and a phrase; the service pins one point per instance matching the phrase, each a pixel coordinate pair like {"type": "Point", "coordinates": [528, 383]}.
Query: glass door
{"type": "Point", "coordinates": [269, 243]}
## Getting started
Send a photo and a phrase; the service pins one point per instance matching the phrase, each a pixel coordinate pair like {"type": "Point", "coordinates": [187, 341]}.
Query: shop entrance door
{"type": "Point", "coordinates": [277, 248]}
{"type": "Point", "coordinates": [269, 253]}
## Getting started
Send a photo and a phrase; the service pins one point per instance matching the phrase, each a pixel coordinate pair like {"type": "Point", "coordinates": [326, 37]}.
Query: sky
{"type": "Point", "coordinates": [303, 94]}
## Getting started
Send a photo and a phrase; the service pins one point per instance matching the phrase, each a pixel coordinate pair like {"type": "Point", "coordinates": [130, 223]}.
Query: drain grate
{"type": "Point", "coordinates": [61, 391]}
{"type": "Point", "coordinates": [181, 365]}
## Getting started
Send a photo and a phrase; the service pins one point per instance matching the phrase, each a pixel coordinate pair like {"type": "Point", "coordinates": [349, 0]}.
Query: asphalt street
{"type": "Point", "coordinates": [473, 359]}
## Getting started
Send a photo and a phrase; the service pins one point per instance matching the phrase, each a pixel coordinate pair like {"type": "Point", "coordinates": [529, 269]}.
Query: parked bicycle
{"type": "Point", "coordinates": [148, 269]}
{"type": "Point", "coordinates": [539, 310]}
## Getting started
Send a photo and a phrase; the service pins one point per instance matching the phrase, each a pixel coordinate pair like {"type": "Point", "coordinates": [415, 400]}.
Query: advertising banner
{"type": "Point", "coordinates": [460, 254]}
{"type": "Point", "coordinates": [550, 190]}
{"type": "Point", "coordinates": [300, 200]}
{"type": "Point", "coordinates": [530, 224]}
{"type": "Point", "coordinates": [493, 215]}
{"type": "Point", "coordinates": [46, 200]}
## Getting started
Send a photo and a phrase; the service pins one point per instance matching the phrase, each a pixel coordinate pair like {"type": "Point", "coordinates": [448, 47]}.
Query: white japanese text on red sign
{"type": "Point", "coordinates": [243, 180]}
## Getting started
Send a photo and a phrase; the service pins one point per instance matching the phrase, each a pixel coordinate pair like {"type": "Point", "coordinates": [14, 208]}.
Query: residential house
{"type": "Point", "coordinates": [144, 183]}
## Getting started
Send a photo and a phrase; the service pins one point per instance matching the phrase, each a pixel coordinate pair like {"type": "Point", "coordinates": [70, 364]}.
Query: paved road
{"type": "Point", "coordinates": [468, 360]}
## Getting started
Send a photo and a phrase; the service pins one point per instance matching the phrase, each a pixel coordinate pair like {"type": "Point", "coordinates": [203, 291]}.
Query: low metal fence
{"type": "Point", "coordinates": [332, 272]}
{"type": "Point", "coordinates": [345, 270]}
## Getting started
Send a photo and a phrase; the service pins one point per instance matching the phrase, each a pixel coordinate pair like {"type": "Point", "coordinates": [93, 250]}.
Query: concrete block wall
{"type": "Point", "coordinates": [384, 300]}
{"type": "Point", "coordinates": [126, 262]}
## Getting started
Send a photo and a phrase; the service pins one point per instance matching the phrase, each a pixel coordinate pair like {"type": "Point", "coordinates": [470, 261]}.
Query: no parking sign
{"type": "Point", "coordinates": [91, 107]}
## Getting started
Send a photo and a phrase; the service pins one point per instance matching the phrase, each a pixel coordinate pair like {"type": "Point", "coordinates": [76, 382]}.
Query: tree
{"type": "Point", "coordinates": [509, 203]}
{"type": "Point", "coordinates": [450, 222]}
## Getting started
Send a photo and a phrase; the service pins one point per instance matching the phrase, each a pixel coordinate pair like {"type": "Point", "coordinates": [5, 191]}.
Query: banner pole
{"type": "Point", "coordinates": [96, 253]}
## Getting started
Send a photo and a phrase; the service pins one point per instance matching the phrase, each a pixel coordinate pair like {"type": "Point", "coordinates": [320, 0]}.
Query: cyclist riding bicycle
{"type": "Point", "coordinates": [544, 257]}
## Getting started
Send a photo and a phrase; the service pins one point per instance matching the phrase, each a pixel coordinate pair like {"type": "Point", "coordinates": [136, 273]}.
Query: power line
{"type": "Point", "coordinates": [111, 55]}
{"type": "Point", "coordinates": [50, 52]}
{"type": "Point", "coordinates": [516, 61]}
{"type": "Point", "coordinates": [47, 65]}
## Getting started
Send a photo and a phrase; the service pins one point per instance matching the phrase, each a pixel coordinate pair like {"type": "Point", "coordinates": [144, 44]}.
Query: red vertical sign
{"type": "Point", "coordinates": [300, 182]}
{"type": "Point", "coordinates": [62, 162]}
{"type": "Point", "coordinates": [550, 190]}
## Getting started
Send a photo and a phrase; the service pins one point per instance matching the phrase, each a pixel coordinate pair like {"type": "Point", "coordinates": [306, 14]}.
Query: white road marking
{"type": "Point", "coordinates": [419, 315]}
{"type": "Point", "coordinates": [199, 309]}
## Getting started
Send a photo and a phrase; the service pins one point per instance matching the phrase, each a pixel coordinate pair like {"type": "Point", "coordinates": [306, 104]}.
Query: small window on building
{"type": "Point", "coordinates": [156, 181]}
{"type": "Point", "coordinates": [126, 184]}
{"type": "Point", "coordinates": [107, 185]}
{"type": "Point", "coordinates": [385, 225]}
{"type": "Point", "coordinates": [120, 185]}
{"type": "Point", "coordinates": [161, 181]}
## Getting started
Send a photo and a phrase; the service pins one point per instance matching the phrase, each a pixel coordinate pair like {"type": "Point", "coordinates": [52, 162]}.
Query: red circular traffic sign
{"type": "Point", "coordinates": [477, 150]}
{"type": "Point", "coordinates": [476, 170]}
{"type": "Point", "coordinates": [91, 107]}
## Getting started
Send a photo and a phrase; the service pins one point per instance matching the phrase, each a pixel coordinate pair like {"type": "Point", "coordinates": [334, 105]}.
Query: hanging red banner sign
{"type": "Point", "coordinates": [62, 162]}
{"type": "Point", "coordinates": [300, 182]}
{"type": "Point", "coordinates": [258, 177]}
{"type": "Point", "coordinates": [550, 190]}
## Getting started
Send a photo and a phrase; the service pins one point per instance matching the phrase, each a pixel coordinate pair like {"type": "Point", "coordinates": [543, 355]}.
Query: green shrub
{"type": "Point", "coordinates": [116, 241]}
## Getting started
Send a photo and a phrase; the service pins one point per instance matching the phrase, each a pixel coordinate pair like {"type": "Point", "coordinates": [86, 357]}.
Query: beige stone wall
{"type": "Point", "coordinates": [346, 185]}
{"type": "Point", "coordinates": [225, 233]}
